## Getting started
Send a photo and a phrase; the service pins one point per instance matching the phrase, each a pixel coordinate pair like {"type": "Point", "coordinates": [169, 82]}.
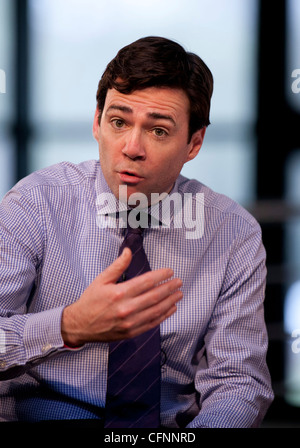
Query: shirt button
{"type": "Point", "coordinates": [2, 364]}
{"type": "Point", "coordinates": [46, 347]}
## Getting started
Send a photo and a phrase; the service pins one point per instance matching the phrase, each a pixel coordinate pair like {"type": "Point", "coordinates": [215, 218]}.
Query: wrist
{"type": "Point", "coordinates": [69, 331]}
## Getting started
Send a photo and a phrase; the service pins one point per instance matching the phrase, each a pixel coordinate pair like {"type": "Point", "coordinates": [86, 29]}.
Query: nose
{"type": "Point", "coordinates": [134, 145]}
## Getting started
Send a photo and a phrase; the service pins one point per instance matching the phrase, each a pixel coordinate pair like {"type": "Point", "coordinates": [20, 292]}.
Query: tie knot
{"type": "Point", "coordinates": [136, 231]}
{"type": "Point", "coordinates": [136, 223]}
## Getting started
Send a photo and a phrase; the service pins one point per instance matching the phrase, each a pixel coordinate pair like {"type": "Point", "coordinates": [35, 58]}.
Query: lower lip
{"type": "Point", "coordinates": [127, 179]}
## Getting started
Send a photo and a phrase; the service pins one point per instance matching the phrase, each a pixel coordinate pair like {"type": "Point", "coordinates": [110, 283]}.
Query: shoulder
{"type": "Point", "coordinates": [63, 174]}
{"type": "Point", "coordinates": [54, 186]}
{"type": "Point", "coordinates": [218, 208]}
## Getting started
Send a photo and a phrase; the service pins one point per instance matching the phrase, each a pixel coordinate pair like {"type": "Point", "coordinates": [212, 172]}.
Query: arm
{"type": "Point", "coordinates": [105, 311]}
{"type": "Point", "coordinates": [234, 386]}
{"type": "Point", "coordinates": [27, 338]}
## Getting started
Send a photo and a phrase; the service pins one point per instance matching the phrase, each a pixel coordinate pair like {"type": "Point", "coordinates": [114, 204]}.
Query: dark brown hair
{"type": "Point", "coordinates": [159, 62]}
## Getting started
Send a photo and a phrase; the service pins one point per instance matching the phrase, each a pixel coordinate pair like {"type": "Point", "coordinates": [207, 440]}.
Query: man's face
{"type": "Point", "coordinates": [143, 139]}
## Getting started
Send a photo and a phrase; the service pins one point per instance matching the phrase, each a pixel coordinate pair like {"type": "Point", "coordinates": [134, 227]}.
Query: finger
{"type": "Point", "coordinates": [116, 269]}
{"type": "Point", "coordinates": [157, 321]}
{"type": "Point", "coordinates": [167, 294]}
{"type": "Point", "coordinates": [151, 305]}
{"type": "Point", "coordinates": [152, 317]}
{"type": "Point", "coordinates": [145, 282]}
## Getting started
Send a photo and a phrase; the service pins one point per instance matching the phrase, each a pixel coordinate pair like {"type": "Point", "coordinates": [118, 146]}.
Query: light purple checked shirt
{"type": "Point", "coordinates": [53, 244]}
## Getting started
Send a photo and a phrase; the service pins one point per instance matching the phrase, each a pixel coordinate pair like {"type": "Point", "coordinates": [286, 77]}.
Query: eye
{"type": "Point", "coordinates": [158, 132]}
{"type": "Point", "coordinates": [118, 123]}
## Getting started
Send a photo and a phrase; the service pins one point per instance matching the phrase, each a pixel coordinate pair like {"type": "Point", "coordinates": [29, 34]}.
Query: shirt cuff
{"type": "Point", "coordinates": [42, 333]}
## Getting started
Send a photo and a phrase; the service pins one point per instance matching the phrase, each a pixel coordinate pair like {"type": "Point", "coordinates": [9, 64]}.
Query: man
{"type": "Point", "coordinates": [61, 301]}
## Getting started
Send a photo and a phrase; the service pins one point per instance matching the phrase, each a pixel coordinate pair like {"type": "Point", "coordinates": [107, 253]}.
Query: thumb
{"type": "Point", "coordinates": [116, 269]}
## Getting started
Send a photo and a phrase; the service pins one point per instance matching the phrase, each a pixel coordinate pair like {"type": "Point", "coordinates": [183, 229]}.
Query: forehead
{"type": "Point", "coordinates": [169, 101]}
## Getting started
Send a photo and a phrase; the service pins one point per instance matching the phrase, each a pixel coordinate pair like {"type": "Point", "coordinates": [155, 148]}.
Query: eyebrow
{"type": "Point", "coordinates": [121, 108]}
{"type": "Point", "coordinates": [154, 115]}
{"type": "Point", "coordinates": [158, 116]}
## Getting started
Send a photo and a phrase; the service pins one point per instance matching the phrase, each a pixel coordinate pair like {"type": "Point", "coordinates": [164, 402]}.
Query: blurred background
{"type": "Point", "coordinates": [52, 54]}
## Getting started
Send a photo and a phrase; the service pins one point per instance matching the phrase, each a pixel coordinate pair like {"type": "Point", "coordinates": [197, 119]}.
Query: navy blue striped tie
{"type": "Point", "coordinates": [133, 383]}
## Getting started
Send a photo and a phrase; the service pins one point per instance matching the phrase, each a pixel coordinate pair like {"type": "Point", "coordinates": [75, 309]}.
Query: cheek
{"type": "Point", "coordinates": [105, 150]}
{"type": "Point", "coordinates": [171, 165]}
{"type": "Point", "coordinates": [110, 149]}
{"type": "Point", "coordinates": [165, 174]}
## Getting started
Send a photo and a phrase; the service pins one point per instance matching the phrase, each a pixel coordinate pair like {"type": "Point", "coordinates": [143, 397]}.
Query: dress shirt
{"type": "Point", "coordinates": [54, 242]}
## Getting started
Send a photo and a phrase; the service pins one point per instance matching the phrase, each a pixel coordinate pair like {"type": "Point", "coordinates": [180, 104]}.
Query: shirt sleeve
{"type": "Point", "coordinates": [25, 338]}
{"type": "Point", "coordinates": [232, 378]}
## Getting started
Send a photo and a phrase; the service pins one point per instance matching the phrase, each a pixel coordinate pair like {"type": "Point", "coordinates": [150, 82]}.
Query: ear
{"type": "Point", "coordinates": [195, 143]}
{"type": "Point", "coordinates": [96, 124]}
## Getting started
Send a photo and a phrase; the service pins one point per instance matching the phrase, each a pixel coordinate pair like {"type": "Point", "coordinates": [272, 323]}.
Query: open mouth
{"type": "Point", "coordinates": [129, 177]}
